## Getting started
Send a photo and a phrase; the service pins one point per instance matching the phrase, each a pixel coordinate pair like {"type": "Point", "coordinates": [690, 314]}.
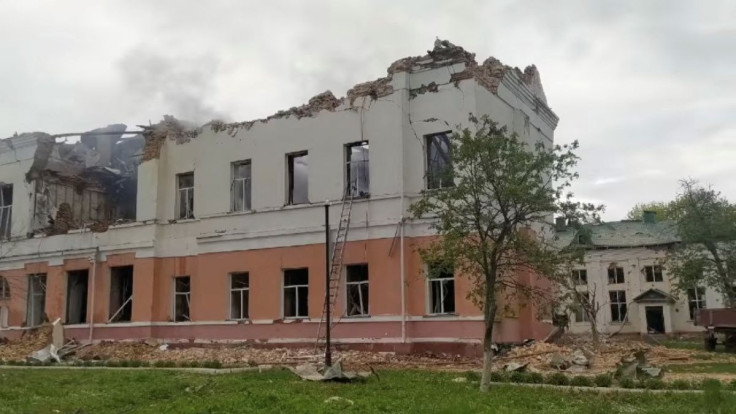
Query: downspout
{"type": "Point", "coordinates": [403, 275]}
{"type": "Point", "coordinates": [92, 301]}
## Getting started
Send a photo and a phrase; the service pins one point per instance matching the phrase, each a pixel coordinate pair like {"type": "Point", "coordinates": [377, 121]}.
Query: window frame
{"type": "Point", "coordinates": [296, 288]}
{"type": "Point", "coordinates": [189, 211]}
{"type": "Point", "coordinates": [291, 177]}
{"type": "Point", "coordinates": [577, 280]}
{"type": "Point", "coordinates": [431, 182]}
{"type": "Point", "coordinates": [696, 300]}
{"type": "Point", "coordinates": [244, 311]}
{"type": "Point", "coordinates": [364, 304]}
{"type": "Point", "coordinates": [584, 315]}
{"type": "Point", "coordinates": [349, 188]}
{"type": "Point", "coordinates": [653, 271]}
{"type": "Point", "coordinates": [442, 281]}
{"type": "Point", "coordinates": [187, 295]}
{"type": "Point", "coordinates": [6, 212]}
{"type": "Point", "coordinates": [4, 288]}
{"type": "Point", "coordinates": [615, 279]}
{"type": "Point", "coordinates": [246, 184]}
{"type": "Point", "coordinates": [620, 303]}
{"type": "Point", "coordinates": [30, 316]}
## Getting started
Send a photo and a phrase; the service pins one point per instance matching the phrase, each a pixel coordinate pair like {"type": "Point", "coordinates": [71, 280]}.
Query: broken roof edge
{"type": "Point", "coordinates": [490, 74]}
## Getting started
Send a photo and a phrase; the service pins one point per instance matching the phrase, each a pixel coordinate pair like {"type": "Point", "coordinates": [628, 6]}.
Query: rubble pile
{"type": "Point", "coordinates": [31, 341]}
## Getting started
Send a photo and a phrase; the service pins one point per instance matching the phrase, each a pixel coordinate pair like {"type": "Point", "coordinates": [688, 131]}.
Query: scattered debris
{"type": "Point", "coordinates": [460, 379]}
{"type": "Point", "coordinates": [338, 399]}
{"type": "Point", "coordinates": [515, 367]}
{"type": "Point", "coordinates": [311, 372]}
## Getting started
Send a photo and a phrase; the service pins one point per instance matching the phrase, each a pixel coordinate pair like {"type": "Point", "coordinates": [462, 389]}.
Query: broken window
{"type": "Point", "coordinates": [121, 294]}
{"type": "Point", "coordinates": [580, 314]}
{"type": "Point", "coordinates": [76, 296]}
{"type": "Point", "coordinates": [6, 210]}
{"type": "Point", "coordinates": [240, 186]}
{"type": "Point", "coordinates": [439, 165]}
{"type": "Point", "coordinates": [615, 275]}
{"type": "Point", "coordinates": [653, 273]}
{"type": "Point", "coordinates": [239, 289]}
{"type": "Point", "coordinates": [3, 316]}
{"type": "Point", "coordinates": [185, 187]}
{"type": "Point", "coordinates": [356, 283]}
{"type": "Point", "coordinates": [618, 305]}
{"type": "Point", "coordinates": [36, 305]}
{"type": "Point", "coordinates": [4, 288]}
{"type": "Point", "coordinates": [358, 173]}
{"type": "Point", "coordinates": [298, 178]}
{"type": "Point", "coordinates": [580, 277]}
{"type": "Point", "coordinates": [296, 293]}
{"type": "Point", "coordinates": [441, 291]}
{"type": "Point", "coordinates": [182, 290]}
{"type": "Point", "coordinates": [695, 300]}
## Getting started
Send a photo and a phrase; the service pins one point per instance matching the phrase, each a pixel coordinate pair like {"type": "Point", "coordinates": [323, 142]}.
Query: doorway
{"type": "Point", "coordinates": [655, 319]}
{"type": "Point", "coordinates": [76, 297]}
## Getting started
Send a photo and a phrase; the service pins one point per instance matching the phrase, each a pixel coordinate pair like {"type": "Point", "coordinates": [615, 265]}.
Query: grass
{"type": "Point", "coordinates": [152, 391]}
{"type": "Point", "coordinates": [704, 368]}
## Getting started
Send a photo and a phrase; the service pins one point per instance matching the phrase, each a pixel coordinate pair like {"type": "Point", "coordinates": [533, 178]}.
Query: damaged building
{"type": "Point", "coordinates": [216, 232]}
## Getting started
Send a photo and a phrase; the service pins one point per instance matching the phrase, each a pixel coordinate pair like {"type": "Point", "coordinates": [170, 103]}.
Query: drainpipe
{"type": "Point", "coordinates": [92, 302]}
{"type": "Point", "coordinates": [403, 276]}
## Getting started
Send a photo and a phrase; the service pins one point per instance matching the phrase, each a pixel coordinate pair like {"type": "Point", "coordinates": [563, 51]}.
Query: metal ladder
{"type": "Point", "coordinates": [336, 261]}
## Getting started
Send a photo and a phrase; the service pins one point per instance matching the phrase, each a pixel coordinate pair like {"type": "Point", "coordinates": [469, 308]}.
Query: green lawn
{"type": "Point", "coordinates": [709, 368]}
{"type": "Point", "coordinates": [159, 391]}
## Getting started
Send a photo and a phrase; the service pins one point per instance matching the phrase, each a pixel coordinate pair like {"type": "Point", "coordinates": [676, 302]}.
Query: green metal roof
{"type": "Point", "coordinates": [627, 233]}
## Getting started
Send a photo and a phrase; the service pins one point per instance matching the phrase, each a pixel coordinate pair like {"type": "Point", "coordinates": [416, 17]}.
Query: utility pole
{"type": "Point", "coordinates": [328, 265]}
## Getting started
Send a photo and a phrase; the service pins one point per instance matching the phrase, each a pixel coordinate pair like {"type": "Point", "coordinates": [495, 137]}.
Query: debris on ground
{"type": "Point", "coordinates": [339, 399]}
{"type": "Point", "coordinates": [515, 367]}
{"type": "Point", "coordinates": [311, 372]}
{"type": "Point", "coordinates": [460, 379]}
{"type": "Point", "coordinates": [636, 366]}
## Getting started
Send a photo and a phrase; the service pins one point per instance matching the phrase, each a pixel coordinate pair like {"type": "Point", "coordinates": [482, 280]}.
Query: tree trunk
{"type": "Point", "coordinates": [489, 314]}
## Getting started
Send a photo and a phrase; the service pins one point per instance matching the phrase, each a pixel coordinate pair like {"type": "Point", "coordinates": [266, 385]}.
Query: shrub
{"type": "Point", "coordinates": [558, 378]}
{"type": "Point", "coordinates": [134, 363]}
{"type": "Point", "coordinates": [581, 381]}
{"type": "Point", "coordinates": [603, 380]}
{"type": "Point", "coordinates": [88, 363]}
{"type": "Point", "coordinates": [653, 384]}
{"type": "Point", "coordinates": [472, 376]}
{"type": "Point", "coordinates": [535, 378]}
{"type": "Point", "coordinates": [112, 363]}
{"type": "Point", "coordinates": [680, 384]}
{"type": "Point", "coordinates": [160, 364]}
{"type": "Point", "coordinates": [517, 376]}
{"type": "Point", "coordinates": [124, 363]}
{"type": "Point", "coordinates": [212, 364]}
{"type": "Point", "coordinates": [627, 382]}
{"type": "Point", "coordinates": [499, 376]}
{"type": "Point", "coordinates": [732, 384]}
{"type": "Point", "coordinates": [711, 384]}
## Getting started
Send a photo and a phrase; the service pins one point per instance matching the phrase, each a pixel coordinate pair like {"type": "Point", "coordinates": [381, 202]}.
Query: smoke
{"type": "Point", "coordinates": [168, 84]}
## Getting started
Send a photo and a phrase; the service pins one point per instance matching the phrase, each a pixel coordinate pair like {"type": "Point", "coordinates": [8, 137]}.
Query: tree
{"type": "Point", "coordinates": [664, 210]}
{"type": "Point", "coordinates": [581, 300]}
{"type": "Point", "coordinates": [490, 222]}
{"type": "Point", "coordinates": [706, 256]}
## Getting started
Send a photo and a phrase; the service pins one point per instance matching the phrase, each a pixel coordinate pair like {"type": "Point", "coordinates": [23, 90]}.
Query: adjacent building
{"type": "Point", "coordinates": [216, 233]}
{"type": "Point", "coordinates": [625, 275]}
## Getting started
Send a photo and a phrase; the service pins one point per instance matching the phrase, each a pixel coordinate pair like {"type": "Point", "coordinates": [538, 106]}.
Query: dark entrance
{"type": "Point", "coordinates": [76, 296]}
{"type": "Point", "coordinates": [655, 319]}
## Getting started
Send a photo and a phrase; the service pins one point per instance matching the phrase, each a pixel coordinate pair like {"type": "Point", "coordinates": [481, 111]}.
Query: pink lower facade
{"type": "Point", "coordinates": [392, 323]}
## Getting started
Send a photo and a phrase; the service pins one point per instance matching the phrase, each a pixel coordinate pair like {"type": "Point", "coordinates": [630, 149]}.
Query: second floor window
{"type": "Point", "coordinates": [439, 165]}
{"type": "Point", "coordinates": [298, 165]}
{"type": "Point", "coordinates": [653, 273]}
{"type": "Point", "coordinates": [615, 275]}
{"type": "Point", "coordinates": [358, 173]}
{"type": "Point", "coordinates": [6, 210]}
{"type": "Point", "coordinates": [240, 186]}
{"type": "Point", "coordinates": [618, 305]}
{"type": "Point", "coordinates": [185, 188]}
{"type": "Point", "coordinates": [695, 300]}
{"type": "Point", "coordinates": [580, 277]}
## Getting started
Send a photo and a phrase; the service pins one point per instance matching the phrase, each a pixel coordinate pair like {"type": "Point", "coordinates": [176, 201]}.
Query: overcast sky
{"type": "Point", "coordinates": [649, 90]}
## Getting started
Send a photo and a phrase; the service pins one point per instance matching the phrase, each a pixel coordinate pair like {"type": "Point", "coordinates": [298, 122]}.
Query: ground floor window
{"type": "Point", "coordinates": [356, 282]}
{"type": "Point", "coordinates": [182, 289]}
{"type": "Point", "coordinates": [36, 305]}
{"type": "Point", "coordinates": [296, 293]}
{"type": "Point", "coordinates": [441, 291]}
{"type": "Point", "coordinates": [121, 294]}
{"type": "Point", "coordinates": [695, 300]}
{"type": "Point", "coordinates": [239, 290]}
{"type": "Point", "coordinates": [618, 305]}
